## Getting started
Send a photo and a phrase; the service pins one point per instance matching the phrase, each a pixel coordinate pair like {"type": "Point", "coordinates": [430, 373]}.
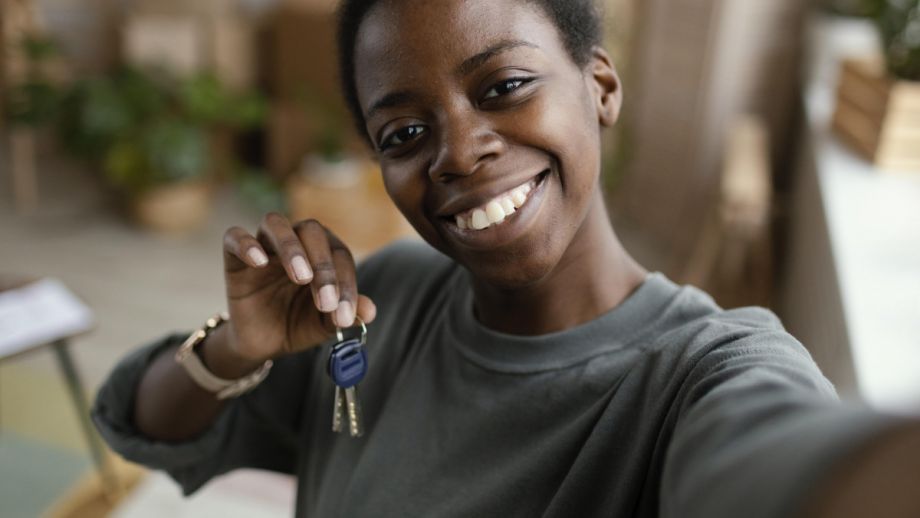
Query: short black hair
{"type": "Point", "coordinates": [578, 21]}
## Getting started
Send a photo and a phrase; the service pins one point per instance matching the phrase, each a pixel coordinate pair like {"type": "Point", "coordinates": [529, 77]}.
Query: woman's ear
{"type": "Point", "coordinates": [607, 89]}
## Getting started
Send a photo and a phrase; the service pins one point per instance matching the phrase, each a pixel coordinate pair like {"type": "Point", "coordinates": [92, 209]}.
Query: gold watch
{"type": "Point", "coordinates": [224, 388]}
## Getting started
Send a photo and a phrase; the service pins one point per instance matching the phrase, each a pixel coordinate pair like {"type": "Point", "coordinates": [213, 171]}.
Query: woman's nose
{"type": "Point", "coordinates": [465, 142]}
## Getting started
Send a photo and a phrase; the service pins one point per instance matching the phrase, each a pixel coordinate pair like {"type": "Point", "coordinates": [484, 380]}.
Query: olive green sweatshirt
{"type": "Point", "coordinates": [666, 405]}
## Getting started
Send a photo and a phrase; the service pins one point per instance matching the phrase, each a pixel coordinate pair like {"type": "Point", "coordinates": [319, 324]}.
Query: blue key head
{"type": "Point", "coordinates": [347, 363]}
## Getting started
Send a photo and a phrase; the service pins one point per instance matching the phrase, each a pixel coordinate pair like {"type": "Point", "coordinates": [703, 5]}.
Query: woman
{"type": "Point", "coordinates": [522, 364]}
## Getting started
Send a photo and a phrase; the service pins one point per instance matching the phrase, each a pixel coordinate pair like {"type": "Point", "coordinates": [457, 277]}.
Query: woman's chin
{"type": "Point", "coordinates": [512, 272]}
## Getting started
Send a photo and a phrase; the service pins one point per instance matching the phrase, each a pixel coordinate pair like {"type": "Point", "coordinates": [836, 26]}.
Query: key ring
{"type": "Point", "coordinates": [341, 338]}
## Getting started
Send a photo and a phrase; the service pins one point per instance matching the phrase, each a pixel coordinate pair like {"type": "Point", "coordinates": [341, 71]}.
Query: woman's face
{"type": "Point", "coordinates": [487, 131]}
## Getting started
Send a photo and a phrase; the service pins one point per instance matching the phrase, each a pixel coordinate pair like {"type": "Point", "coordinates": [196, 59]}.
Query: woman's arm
{"type": "Point", "coordinates": [882, 479]}
{"type": "Point", "coordinates": [172, 407]}
{"type": "Point", "coordinates": [287, 288]}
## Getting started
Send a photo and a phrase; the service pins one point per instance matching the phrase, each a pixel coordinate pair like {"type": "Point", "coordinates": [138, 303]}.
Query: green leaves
{"type": "Point", "coordinates": [151, 129]}
{"type": "Point", "coordinates": [899, 23]}
{"type": "Point", "coordinates": [38, 49]}
{"type": "Point", "coordinates": [35, 100]}
{"type": "Point", "coordinates": [32, 103]}
{"type": "Point", "coordinates": [177, 150]}
{"type": "Point", "coordinates": [94, 114]}
{"type": "Point", "coordinates": [207, 102]}
{"type": "Point", "coordinates": [164, 151]}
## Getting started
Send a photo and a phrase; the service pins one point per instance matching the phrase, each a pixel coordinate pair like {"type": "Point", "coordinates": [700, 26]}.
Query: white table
{"type": "Point", "coordinates": [43, 313]}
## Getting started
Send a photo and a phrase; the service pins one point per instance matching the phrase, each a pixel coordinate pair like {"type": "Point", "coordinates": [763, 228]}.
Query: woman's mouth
{"type": "Point", "coordinates": [501, 220]}
{"type": "Point", "coordinates": [499, 209]}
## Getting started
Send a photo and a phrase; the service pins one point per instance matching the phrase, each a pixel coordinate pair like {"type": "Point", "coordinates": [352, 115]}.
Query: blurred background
{"type": "Point", "coordinates": [769, 153]}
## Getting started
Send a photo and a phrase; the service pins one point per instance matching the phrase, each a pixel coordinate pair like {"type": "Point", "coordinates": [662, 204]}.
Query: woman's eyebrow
{"type": "Point", "coordinates": [474, 62]}
{"type": "Point", "coordinates": [389, 101]}
{"type": "Point", "coordinates": [470, 64]}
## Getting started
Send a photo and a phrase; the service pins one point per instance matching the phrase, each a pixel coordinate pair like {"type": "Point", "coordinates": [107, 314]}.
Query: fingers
{"type": "Point", "coordinates": [334, 271]}
{"type": "Point", "coordinates": [310, 254]}
{"type": "Point", "coordinates": [276, 233]}
{"type": "Point", "coordinates": [367, 310]}
{"type": "Point", "coordinates": [348, 287]}
{"type": "Point", "coordinates": [242, 250]}
{"type": "Point", "coordinates": [324, 284]}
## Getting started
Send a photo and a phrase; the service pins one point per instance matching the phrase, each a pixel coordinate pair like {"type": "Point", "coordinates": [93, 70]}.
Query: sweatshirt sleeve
{"type": "Point", "coordinates": [760, 426]}
{"type": "Point", "coordinates": [256, 430]}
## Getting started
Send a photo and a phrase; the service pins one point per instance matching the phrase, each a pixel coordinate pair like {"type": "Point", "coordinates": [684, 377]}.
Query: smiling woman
{"type": "Point", "coordinates": [506, 101]}
{"type": "Point", "coordinates": [522, 363]}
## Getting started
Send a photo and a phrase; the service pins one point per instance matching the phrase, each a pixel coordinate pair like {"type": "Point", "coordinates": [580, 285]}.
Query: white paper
{"type": "Point", "coordinates": [40, 313]}
{"type": "Point", "coordinates": [240, 494]}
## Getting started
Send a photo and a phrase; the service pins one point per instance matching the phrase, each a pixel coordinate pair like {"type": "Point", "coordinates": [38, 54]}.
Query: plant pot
{"type": "Point", "coordinates": [363, 216]}
{"type": "Point", "coordinates": [331, 174]}
{"type": "Point", "coordinates": [879, 115]}
{"type": "Point", "coordinates": [173, 209]}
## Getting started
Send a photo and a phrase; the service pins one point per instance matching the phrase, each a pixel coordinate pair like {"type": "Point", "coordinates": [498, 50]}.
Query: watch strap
{"type": "Point", "coordinates": [196, 369]}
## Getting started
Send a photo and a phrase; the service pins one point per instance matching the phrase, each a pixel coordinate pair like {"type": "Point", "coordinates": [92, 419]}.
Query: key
{"type": "Point", "coordinates": [347, 366]}
{"type": "Point", "coordinates": [339, 410]}
{"type": "Point", "coordinates": [354, 412]}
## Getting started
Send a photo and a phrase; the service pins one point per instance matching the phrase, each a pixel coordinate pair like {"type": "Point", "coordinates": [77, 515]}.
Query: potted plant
{"type": "Point", "coordinates": [151, 133]}
{"type": "Point", "coordinates": [857, 8]}
{"type": "Point", "coordinates": [878, 102]}
{"type": "Point", "coordinates": [899, 24]}
{"type": "Point", "coordinates": [33, 101]}
{"type": "Point", "coordinates": [329, 164]}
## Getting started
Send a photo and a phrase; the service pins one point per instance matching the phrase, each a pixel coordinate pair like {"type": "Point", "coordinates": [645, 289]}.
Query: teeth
{"type": "Point", "coordinates": [480, 219]}
{"type": "Point", "coordinates": [495, 212]}
{"type": "Point", "coordinates": [518, 197]}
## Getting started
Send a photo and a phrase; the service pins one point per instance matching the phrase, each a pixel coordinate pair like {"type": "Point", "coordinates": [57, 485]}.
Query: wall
{"type": "Point", "coordinates": [697, 64]}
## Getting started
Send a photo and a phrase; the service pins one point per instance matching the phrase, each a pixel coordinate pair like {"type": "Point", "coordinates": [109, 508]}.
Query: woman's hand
{"type": "Point", "coordinates": [288, 288]}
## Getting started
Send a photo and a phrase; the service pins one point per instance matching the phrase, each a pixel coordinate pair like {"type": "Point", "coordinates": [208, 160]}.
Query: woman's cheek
{"type": "Point", "coordinates": [407, 191]}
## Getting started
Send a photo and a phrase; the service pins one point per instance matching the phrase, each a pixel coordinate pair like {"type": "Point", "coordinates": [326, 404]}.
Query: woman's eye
{"type": "Point", "coordinates": [505, 88]}
{"type": "Point", "coordinates": [401, 136]}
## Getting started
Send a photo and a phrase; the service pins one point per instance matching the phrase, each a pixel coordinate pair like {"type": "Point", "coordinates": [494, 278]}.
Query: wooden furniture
{"type": "Point", "coordinates": [732, 260]}
{"type": "Point", "coordinates": [212, 35]}
{"type": "Point", "coordinates": [878, 115]}
{"type": "Point", "coordinates": [17, 19]}
{"type": "Point", "coordinates": [697, 65]}
{"type": "Point", "coordinates": [362, 216]}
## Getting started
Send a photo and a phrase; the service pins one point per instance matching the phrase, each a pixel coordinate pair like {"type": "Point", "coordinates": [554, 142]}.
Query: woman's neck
{"type": "Point", "coordinates": [594, 275]}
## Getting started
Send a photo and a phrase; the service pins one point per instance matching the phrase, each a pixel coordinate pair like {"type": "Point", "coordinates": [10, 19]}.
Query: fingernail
{"type": "Point", "coordinates": [345, 314]}
{"type": "Point", "coordinates": [328, 298]}
{"type": "Point", "coordinates": [257, 256]}
{"type": "Point", "coordinates": [301, 269]}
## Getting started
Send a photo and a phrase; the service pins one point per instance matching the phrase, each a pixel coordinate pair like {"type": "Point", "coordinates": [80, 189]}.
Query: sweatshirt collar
{"type": "Point", "coordinates": [518, 354]}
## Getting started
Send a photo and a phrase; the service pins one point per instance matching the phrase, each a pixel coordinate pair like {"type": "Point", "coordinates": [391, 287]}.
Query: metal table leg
{"type": "Point", "coordinates": [109, 480]}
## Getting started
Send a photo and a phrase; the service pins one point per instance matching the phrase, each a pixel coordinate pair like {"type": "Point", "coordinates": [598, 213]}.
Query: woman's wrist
{"type": "Point", "coordinates": [218, 353]}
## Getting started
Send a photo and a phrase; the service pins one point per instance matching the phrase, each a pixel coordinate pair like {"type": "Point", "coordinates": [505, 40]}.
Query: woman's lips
{"type": "Point", "coordinates": [497, 209]}
{"type": "Point", "coordinates": [485, 228]}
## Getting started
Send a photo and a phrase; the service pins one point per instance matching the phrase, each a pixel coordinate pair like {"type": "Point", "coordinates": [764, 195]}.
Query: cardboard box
{"type": "Point", "coordinates": [366, 223]}
{"type": "Point", "coordinates": [293, 132]}
{"type": "Point", "coordinates": [231, 47]}
{"type": "Point", "coordinates": [879, 116]}
{"type": "Point", "coordinates": [303, 55]}
{"type": "Point", "coordinates": [183, 7]}
{"type": "Point", "coordinates": [172, 42]}
{"type": "Point", "coordinates": [186, 43]}
{"type": "Point", "coordinates": [289, 138]}
{"type": "Point", "coordinates": [313, 6]}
